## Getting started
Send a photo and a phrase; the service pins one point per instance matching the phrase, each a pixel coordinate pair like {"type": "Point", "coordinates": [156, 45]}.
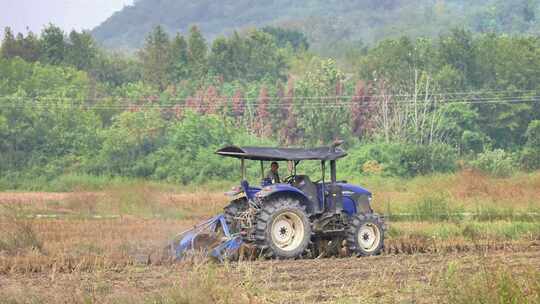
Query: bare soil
{"type": "Point", "coordinates": [389, 278]}
{"type": "Point", "coordinates": [117, 261]}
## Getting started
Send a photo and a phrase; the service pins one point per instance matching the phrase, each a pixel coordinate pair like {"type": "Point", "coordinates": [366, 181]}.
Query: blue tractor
{"type": "Point", "coordinates": [296, 217]}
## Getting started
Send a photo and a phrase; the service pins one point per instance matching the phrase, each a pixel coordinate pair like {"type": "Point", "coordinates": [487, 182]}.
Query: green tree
{"type": "Point", "coordinates": [115, 69]}
{"type": "Point", "coordinates": [179, 57]}
{"type": "Point", "coordinates": [45, 130]}
{"type": "Point", "coordinates": [500, 16]}
{"type": "Point", "coordinates": [264, 58]}
{"type": "Point", "coordinates": [459, 127]}
{"type": "Point", "coordinates": [222, 59]}
{"type": "Point", "coordinates": [530, 157]}
{"type": "Point", "coordinates": [53, 45]}
{"type": "Point", "coordinates": [391, 61]}
{"type": "Point", "coordinates": [189, 154]}
{"type": "Point", "coordinates": [197, 53]}
{"type": "Point", "coordinates": [254, 56]}
{"type": "Point", "coordinates": [128, 143]}
{"type": "Point", "coordinates": [81, 50]}
{"type": "Point", "coordinates": [320, 117]}
{"type": "Point", "coordinates": [28, 48]}
{"type": "Point", "coordinates": [287, 37]}
{"type": "Point", "coordinates": [457, 49]}
{"type": "Point", "coordinates": [156, 58]}
{"type": "Point", "coordinates": [9, 44]}
{"type": "Point", "coordinates": [31, 47]}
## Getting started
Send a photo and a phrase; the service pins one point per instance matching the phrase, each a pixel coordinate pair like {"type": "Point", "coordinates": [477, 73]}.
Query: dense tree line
{"type": "Point", "coordinates": [412, 106]}
{"type": "Point", "coordinates": [332, 26]}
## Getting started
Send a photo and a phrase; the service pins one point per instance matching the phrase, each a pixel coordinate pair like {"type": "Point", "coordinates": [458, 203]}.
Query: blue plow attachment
{"type": "Point", "coordinates": [211, 238]}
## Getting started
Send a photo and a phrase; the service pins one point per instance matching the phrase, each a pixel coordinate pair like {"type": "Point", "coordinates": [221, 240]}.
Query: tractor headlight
{"type": "Point", "coordinates": [234, 191]}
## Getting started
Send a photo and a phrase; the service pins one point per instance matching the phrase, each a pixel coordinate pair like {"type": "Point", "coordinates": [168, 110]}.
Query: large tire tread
{"type": "Point", "coordinates": [352, 233]}
{"type": "Point", "coordinates": [264, 219]}
{"type": "Point", "coordinates": [231, 211]}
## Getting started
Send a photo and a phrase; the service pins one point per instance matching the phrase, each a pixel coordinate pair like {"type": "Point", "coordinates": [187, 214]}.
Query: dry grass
{"type": "Point", "coordinates": [86, 256]}
{"type": "Point", "coordinates": [466, 191]}
{"type": "Point", "coordinates": [19, 237]}
{"type": "Point", "coordinates": [113, 244]}
{"type": "Point", "coordinates": [425, 278]}
{"type": "Point", "coordinates": [498, 284]}
{"type": "Point", "coordinates": [142, 201]}
{"type": "Point", "coordinates": [89, 245]}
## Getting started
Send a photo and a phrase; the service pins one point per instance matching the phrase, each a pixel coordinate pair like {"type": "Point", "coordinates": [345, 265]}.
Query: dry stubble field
{"type": "Point", "coordinates": [106, 247]}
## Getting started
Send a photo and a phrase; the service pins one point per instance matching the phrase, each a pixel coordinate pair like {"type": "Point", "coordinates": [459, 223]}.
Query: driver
{"type": "Point", "coordinates": [273, 174]}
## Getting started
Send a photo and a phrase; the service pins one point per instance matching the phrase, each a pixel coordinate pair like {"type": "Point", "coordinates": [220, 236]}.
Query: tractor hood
{"type": "Point", "coordinates": [353, 188]}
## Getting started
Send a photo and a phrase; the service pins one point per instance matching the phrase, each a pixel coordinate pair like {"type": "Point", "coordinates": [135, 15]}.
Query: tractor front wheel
{"type": "Point", "coordinates": [282, 227]}
{"type": "Point", "coordinates": [365, 235]}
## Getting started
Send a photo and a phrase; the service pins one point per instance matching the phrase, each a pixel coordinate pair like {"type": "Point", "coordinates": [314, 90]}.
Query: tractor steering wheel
{"type": "Point", "coordinates": [289, 179]}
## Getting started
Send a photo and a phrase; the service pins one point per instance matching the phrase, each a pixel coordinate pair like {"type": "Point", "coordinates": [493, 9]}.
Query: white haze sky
{"type": "Point", "coordinates": [68, 14]}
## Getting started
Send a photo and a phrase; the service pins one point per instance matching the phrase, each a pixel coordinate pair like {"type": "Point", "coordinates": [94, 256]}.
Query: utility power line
{"type": "Point", "coordinates": [30, 103]}
{"type": "Point", "coordinates": [294, 97]}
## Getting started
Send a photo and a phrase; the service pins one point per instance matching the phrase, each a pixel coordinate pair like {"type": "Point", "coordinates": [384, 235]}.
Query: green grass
{"type": "Point", "coordinates": [85, 182]}
{"type": "Point", "coordinates": [470, 230]}
{"type": "Point", "coordinates": [493, 286]}
{"type": "Point", "coordinates": [463, 196]}
{"type": "Point", "coordinates": [211, 283]}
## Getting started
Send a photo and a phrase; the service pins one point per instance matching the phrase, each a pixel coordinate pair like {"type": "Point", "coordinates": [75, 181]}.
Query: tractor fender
{"type": "Point", "coordinates": [276, 190]}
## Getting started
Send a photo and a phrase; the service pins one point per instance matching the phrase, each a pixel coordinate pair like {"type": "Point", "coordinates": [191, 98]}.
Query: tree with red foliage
{"type": "Point", "coordinates": [340, 88]}
{"type": "Point", "coordinates": [362, 108]}
{"type": "Point", "coordinates": [263, 123]}
{"type": "Point", "coordinates": [212, 100]}
{"type": "Point", "coordinates": [238, 105]}
{"type": "Point", "coordinates": [288, 130]}
{"type": "Point", "coordinates": [195, 103]}
{"type": "Point", "coordinates": [178, 111]}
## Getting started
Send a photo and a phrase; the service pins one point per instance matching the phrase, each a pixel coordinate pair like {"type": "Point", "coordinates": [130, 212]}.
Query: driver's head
{"type": "Point", "coordinates": [274, 166]}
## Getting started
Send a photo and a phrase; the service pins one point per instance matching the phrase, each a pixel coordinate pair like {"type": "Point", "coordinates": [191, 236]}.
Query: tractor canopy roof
{"type": "Point", "coordinates": [282, 154]}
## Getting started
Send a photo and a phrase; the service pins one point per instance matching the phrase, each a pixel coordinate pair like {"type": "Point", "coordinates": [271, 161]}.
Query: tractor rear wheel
{"type": "Point", "coordinates": [365, 235]}
{"type": "Point", "coordinates": [283, 228]}
{"type": "Point", "coordinates": [231, 211]}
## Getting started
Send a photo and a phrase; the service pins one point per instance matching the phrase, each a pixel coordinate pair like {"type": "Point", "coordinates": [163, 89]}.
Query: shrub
{"type": "Point", "coordinates": [530, 156]}
{"type": "Point", "coordinates": [497, 163]}
{"type": "Point", "coordinates": [435, 207]}
{"type": "Point", "coordinates": [127, 144]}
{"type": "Point", "coordinates": [384, 154]}
{"type": "Point", "coordinates": [206, 283]}
{"type": "Point", "coordinates": [397, 159]}
{"type": "Point", "coordinates": [491, 286]}
{"type": "Point", "coordinates": [533, 134]}
{"type": "Point", "coordinates": [474, 142]}
{"type": "Point", "coordinates": [19, 235]}
{"type": "Point", "coordinates": [417, 160]}
{"type": "Point", "coordinates": [372, 167]}
{"type": "Point", "coordinates": [188, 156]}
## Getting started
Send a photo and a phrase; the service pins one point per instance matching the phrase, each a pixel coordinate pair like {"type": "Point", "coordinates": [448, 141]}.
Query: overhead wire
{"type": "Point", "coordinates": [202, 102]}
{"type": "Point", "coordinates": [535, 99]}
{"type": "Point", "coordinates": [410, 95]}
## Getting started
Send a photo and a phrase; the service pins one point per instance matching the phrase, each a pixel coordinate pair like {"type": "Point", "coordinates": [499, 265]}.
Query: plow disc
{"type": "Point", "coordinates": [211, 238]}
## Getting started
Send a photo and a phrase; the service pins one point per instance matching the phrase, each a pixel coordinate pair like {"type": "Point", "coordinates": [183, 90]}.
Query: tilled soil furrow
{"type": "Point", "coordinates": [327, 280]}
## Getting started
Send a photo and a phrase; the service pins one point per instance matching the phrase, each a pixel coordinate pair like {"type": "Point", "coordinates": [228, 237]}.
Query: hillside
{"type": "Point", "coordinates": [325, 22]}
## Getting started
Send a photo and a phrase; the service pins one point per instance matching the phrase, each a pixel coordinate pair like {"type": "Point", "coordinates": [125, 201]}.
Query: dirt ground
{"type": "Point", "coordinates": [383, 279]}
{"type": "Point", "coordinates": [85, 260]}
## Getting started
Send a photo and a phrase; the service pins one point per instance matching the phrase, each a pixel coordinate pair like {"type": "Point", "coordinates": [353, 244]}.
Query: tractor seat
{"type": "Point", "coordinates": [304, 184]}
